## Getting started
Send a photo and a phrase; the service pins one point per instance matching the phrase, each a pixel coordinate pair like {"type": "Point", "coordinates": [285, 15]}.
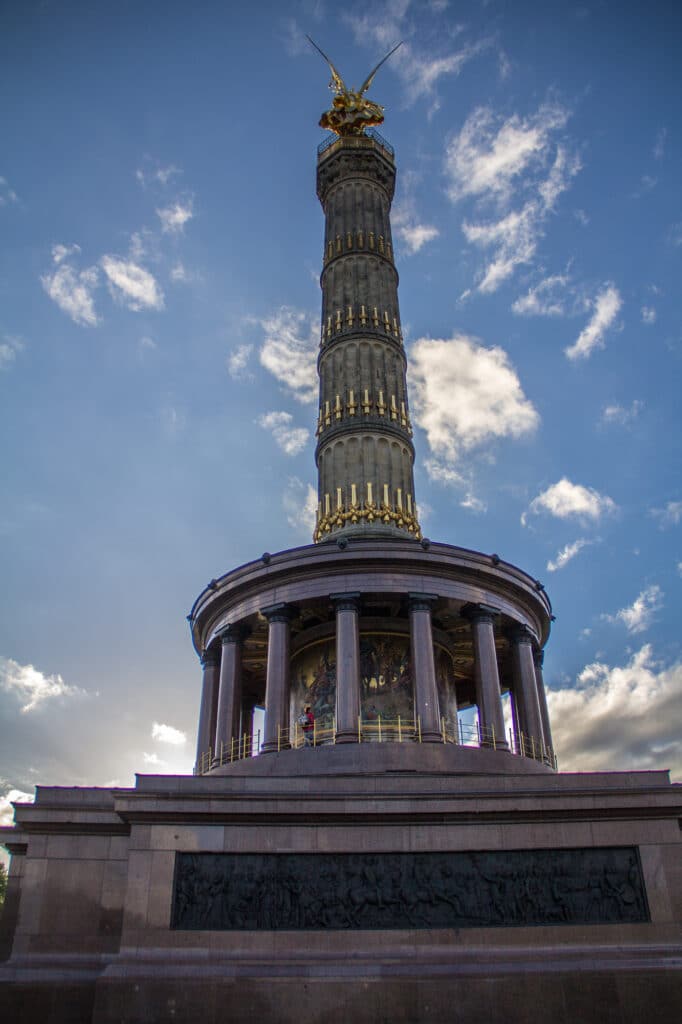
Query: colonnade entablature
{"type": "Point", "coordinates": [396, 638]}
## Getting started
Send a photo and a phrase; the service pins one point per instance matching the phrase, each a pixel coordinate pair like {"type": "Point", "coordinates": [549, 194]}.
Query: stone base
{"type": "Point", "coordinates": [95, 872]}
{"type": "Point", "coordinates": [487, 984]}
{"type": "Point", "coordinates": [386, 758]}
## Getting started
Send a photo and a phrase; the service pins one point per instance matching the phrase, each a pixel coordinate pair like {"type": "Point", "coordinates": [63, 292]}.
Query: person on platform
{"type": "Point", "coordinates": [307, 721]}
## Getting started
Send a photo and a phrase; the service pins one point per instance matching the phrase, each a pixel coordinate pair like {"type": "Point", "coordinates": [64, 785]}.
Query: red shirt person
{"type": "Point", "coordinates": [308, 725]}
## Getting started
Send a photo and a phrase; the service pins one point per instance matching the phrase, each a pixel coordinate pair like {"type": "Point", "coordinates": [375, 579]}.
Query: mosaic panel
{"type": "Point", "coordinates": [385, 678]}
{"type": "Point", "coordinates": [313, 681]}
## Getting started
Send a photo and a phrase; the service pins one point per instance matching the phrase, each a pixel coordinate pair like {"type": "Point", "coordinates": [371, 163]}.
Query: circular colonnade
{"type": "Point", "coordinates": [385, 640]}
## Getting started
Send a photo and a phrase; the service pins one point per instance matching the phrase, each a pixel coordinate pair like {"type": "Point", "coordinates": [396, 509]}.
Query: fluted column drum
{"type": "Point", "coordinates": [364, 453]}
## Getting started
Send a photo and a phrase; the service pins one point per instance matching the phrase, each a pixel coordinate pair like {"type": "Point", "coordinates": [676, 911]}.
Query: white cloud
{"type": "Point", "coordinates": [238, 360]}
{"type": "Point", "coordinates": [292, 440]}
{"type": "Point", "coordinates": [606, 307]}
{"type": "Point", "coordinates": [62, 252]}
{"type": "Point", "coordinates": [473, 504]}
{"type": "Point", "coordinates": [382, 23]}
{"type": "Point", "coordinates": [420, 70]}
{"type": "Point", "coordinates": [648, 315]}
{"type": "Point", "coordinates": [566, 554]}
{"type": "Point", "coordinates": [581, 217]}
{"type": "Point", "coordinates": [443, 474]}
{"type": "Point", "coordinates": [12, 796]}
{"type": "Point", "coordinates": [178, 273]}
{"type": "Point", "coordinates": [465, 395]}
{"type": "Point", "coordinates": [405, 220]}
{"type": "Point", "coordinates": [174, 217]}
{"type": "Point", "coordinates": [159, 174]}
{"type": "Point", "coordinates": [489, 155]}
{"type": "Point", "coordinates": [640, 614]}
{"type": "Point", "coordinates": [659, 146]}
{"type": "Point", "coordinates": [416, 236]}
{"type": "Point", "coordinates": [31, 686]}
{"type": "Point", "coordinates": [621, 717]}
{"type": "Point", "coordinates": [300, 505]}
{"type": "Point", "coordinates": [132, 284]}
{"type": "Point", "coordinates": [514, 239]}
{"type": "Point", "coordinates": [565, 167]}
{"type": "Point", "coordinates": [10, 346]}
{"type": "Point", "coordinates": [620, 414]}
{"type": "Point", "coordinates": [504, 64]}
{"type": "Point", "coordinates": [139, 242]}
{"type": "Point", "coordinates": [153, 759]}
{"type": "Point", "coordinates": [164, 174]}
{"type": "Point", "coordinates": [289, 351]}
{"type": "Point", "coordinates": [167, 734]}
{"type": "Point", "coordinates": [669, 515]}
{"type": "Point", "coordinates": [72, 290]}
{"type": "Point", "coordinates": [499, 161]}
{"type": "Point", "coordinates": [7, 194]}
{"type": "Point", "coordinates": [295, 42]}
{"type": "Point", "coordinates": [567, 500]}
{"type": "Point", "coordinates": [548, 298]}
{"type": "Point", "coordinates": [147, 343]}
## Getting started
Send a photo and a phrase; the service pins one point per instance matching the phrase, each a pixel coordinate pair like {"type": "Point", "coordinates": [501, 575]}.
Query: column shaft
{"type": "Point", "coordinates": [229, 704]}
{"type": "Point", "coordinates": [277, 684]}
{"type": "Point", "coordinates": [424, 667]}
{"type": "Point", "coordinates": [347, 667]}
{"type": "Point", "coordinates": [209, 703]}
{"type": "Point", "coordinates": [538, 658]}
{"type": "Point", "coordinates": [486, 675]}
{"type": "Point", "coordinates": [525, 687]}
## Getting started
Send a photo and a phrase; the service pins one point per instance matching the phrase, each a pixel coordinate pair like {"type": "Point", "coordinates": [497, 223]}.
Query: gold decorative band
{"type": "Point", "coordinates": [360, 316]}
{"type": "Point", "coordinates": [368, 512]}
{"type": "Point", "coordinates": [342, 408]}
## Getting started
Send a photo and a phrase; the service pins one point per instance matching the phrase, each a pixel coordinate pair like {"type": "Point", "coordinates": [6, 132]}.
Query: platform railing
{"type": "Point", "coordinates": [380, 729]}
{"type": "Point", "coordinates": [359, 141]}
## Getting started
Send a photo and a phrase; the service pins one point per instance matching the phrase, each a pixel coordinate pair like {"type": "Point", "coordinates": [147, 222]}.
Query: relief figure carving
{"type": "Point", "coordinates": [403, 890]}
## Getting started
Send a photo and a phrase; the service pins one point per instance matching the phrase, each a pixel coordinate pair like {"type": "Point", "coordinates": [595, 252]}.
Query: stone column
{"type": "Point", "coordinates": [486, 674]}
{"type": "Point", "coordinates": [525, 686]}
{"type": "Point", "coordinates": [210, 661]}
{"type": "Point", "coordinates": [248, 706]}
{"type": "Point", "coordinates": [229, 704]}
{"type": "Point", "coordinates": [277, 684]}
{"type": "Point", "coordinates": [347, 666]}
{"type": "Point", "coordinates": [10, 912]}
{"type": "Point", "coordinates": [538, 659]}
{"type": "Point", "coordinates": [424, 666]}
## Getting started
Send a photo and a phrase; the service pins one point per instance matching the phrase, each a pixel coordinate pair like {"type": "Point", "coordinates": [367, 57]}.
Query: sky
{"type": "Point", "coordinates": [160, 250]}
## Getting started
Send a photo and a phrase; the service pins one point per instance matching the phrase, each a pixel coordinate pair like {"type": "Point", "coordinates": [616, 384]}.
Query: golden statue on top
{"type": "Point", "coordinates": [351, 113]}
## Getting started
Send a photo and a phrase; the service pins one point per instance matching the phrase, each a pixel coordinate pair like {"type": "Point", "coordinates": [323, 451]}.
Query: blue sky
{"type": "Point", "coordinates": [160, 245]}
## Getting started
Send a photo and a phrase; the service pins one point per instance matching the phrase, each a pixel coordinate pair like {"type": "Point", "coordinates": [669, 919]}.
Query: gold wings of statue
{"type": "Point", "coordinates": [351, 113]}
